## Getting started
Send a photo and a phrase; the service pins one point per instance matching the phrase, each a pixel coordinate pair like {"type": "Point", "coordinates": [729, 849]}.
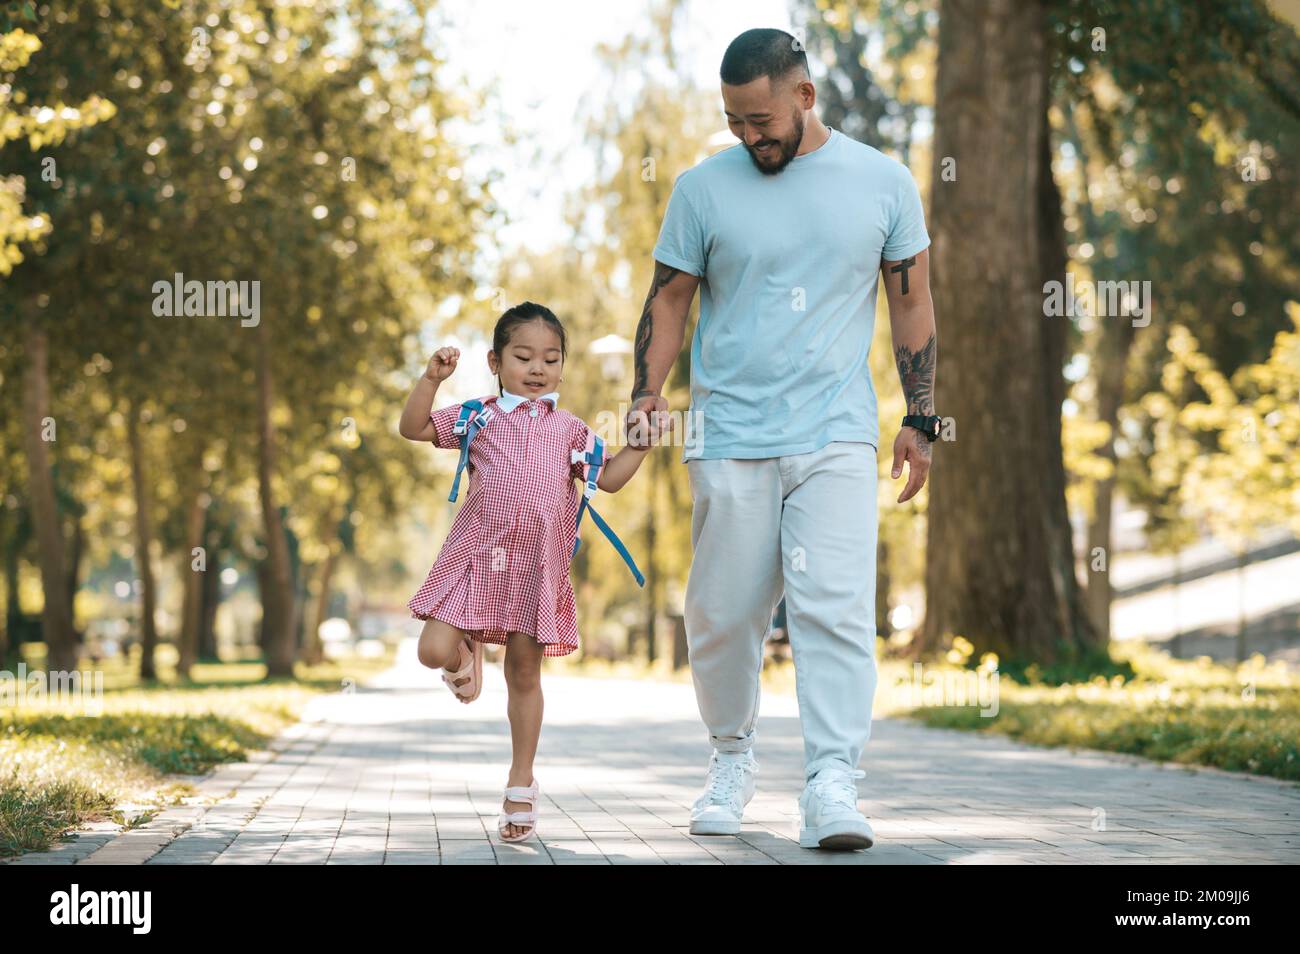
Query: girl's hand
{"type": "Point", "coordinates": [647, 421]}
{"type": "Point", "coordinates": [442, 364]}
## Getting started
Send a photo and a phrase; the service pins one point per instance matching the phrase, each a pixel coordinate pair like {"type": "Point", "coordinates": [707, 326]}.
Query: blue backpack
{"type": "Point", "coordinates": [474, 417]}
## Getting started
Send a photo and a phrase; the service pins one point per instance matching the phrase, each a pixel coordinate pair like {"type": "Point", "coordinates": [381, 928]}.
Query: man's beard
{"type": "Point", "coordinates": [785, 150]}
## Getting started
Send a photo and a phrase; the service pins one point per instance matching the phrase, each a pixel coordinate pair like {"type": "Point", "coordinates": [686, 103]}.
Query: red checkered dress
{"type": "Point", "coordinates": [504, 566]}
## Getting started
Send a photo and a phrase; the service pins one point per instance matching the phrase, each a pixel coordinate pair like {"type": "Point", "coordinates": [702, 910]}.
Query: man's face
{"type": "Point", "coordinates": [767, 119]}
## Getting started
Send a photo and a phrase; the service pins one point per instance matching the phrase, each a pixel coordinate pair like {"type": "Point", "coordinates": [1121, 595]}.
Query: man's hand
{"type": "Point", "coordinates": [912, 446]}
{"type": "Point", "coordinates": [647, 420]}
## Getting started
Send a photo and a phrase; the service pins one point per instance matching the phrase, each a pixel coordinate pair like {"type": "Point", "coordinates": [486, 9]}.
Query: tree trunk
{"type": "Point", "coordinates": [211, 599]}
{"type": "Point", "coordinates": [143, 539]}
{"type": "Point", "coordinates": [1242, 633]}
{"type": "Point", "coordinates": [301, 595]}
{"type": "Point", "coordinates": [192, 601]}
{"type": "Point", "coordinates": [262, 569]}
{"type": "Point", "coordinates": [56, 616]}
{"type": "Point", "coordinates": [883, 629]}
{"type": "Point", "coordinates": [1111, 358]}
{"type": "Point", "coordinates": [277, 593]}
{"type": "Point", "coordinates": [681, 649]}
{"type": "Point", "coordinates": [18, 534]}
{"type": "Point", "coordinates": [1000, 564]}
{"type": "Point", "coordinates": [313, 649]}
{"type": "Point", "coordinates": [76, 550]}
{"type": "Point", "coordinates": [13, 608]}
{"type": "Point", "coordinates": [313, 653]}
{"type": "Point", "coordinates": [1110, 363]}
{"type": "Point", "coordinates": [1176, 641]}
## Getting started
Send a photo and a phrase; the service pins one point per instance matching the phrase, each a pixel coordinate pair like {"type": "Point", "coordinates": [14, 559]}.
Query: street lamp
{"type": "Point", "coordinates": [611, 351]}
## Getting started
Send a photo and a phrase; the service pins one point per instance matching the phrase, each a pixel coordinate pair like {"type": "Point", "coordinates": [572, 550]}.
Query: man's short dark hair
{"type": "Point", "coordinates": [762, 52]}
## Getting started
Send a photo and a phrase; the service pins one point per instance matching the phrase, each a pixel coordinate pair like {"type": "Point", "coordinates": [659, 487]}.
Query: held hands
{"type": "Point", "coordinates": [647, 421]}
{"type": "Point", "coordinates": [913, 446]}
{"type": "Point", "coordinates": [442, 364]}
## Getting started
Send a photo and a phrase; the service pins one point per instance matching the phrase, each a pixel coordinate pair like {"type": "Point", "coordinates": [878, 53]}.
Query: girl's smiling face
{"type": "Point", "coordinates": [530, 364]}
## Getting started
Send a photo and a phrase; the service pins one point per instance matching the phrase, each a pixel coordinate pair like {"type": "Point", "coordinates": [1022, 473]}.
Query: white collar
{"type": "Point", "coordinates": [508, 401]}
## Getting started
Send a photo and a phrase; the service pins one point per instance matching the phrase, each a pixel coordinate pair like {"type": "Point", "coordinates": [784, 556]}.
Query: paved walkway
{"type": "Point", "coordinates": [401, 773]}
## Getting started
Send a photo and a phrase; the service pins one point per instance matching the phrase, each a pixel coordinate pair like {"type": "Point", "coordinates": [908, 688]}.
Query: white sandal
{"type": "Point", "coordinates": [473, 668]}
{"type": "Point", "coordinates": [519, 793]}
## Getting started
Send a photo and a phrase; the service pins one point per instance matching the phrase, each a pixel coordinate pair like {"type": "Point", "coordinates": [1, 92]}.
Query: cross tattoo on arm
{"type": "Point", "coordinates": [903, 266]}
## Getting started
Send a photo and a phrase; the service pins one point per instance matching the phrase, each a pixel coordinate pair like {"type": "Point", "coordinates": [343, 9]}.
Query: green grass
{"type": "Point", "coordinates": [65, 765]}
{"type": "Point", "coordinates": [1197, 712]}
{"type": "Point", "coordinates": [1132, 699]}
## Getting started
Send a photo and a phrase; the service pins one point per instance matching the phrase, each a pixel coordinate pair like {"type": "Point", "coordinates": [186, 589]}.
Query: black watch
{"type": "Point", "coordinates": [929, 426]}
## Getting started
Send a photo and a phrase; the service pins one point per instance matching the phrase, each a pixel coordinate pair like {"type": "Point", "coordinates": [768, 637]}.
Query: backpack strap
{"type": "Point", "coordinates": [593, 459]}
{"type": "Point", "coordinates": [473, 418]}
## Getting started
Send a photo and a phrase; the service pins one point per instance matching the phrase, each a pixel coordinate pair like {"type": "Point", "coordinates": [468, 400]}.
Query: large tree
{"type": "Point", "coordinates": [1000, 568]}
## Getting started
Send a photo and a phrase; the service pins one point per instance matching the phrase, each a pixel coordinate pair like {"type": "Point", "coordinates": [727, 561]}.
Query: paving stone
{"type": "Point", "coordinates": [400, 773]}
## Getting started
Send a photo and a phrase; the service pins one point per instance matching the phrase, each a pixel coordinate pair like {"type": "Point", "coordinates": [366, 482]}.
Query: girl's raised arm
{"type": "Point", "coordinates": [415, 424]}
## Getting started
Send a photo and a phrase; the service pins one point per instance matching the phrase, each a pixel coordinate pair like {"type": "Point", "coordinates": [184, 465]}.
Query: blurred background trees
{"type": "Point", "coordinates": [218, 485]}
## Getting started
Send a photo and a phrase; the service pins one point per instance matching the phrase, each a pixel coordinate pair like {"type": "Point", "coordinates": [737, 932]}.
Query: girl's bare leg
{"type": "Point", "coordinates": [438, 648]}
{"type": "Point", "coordinates": [523, 667]}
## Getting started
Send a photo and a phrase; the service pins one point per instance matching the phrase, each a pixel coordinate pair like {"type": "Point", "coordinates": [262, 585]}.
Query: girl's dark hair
{"type": "Point", "coordinates": [518, 315]}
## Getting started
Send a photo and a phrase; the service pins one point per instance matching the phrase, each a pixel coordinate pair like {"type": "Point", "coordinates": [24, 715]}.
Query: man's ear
{"type": "Point", "coordinates": [807, 93]}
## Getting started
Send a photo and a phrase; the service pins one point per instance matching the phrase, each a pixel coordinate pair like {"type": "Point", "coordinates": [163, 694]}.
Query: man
{"type": "Point", "coordinates": [786, 234]}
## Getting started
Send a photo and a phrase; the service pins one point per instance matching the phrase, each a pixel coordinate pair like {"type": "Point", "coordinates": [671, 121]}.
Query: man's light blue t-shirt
{"type": "Point", "coordinates": [788, 266]}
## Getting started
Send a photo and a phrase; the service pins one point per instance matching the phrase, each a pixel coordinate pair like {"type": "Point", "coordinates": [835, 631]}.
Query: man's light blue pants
{"type": "Point", "coordinates": [805, 522]}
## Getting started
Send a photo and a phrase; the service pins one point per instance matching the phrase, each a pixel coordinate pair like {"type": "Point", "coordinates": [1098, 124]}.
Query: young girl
{"type": "Point", "coordinates": [503, 573]}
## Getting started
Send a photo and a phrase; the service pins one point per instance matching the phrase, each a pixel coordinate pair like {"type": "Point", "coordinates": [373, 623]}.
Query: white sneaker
{"type": "Point", "coordinates": [727, 790]}
{"type": "Point", "coordinates": [828, 811]}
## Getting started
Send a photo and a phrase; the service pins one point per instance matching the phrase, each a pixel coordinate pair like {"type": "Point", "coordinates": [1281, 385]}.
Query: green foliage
{"type": "Point", "coordinates": [301, 147]}
{"type": "Point", "coordinates": [1244, 719]}
{"type": "Point", "coordinates": [1071, 665]}
{"type": "Point", "coordinates": [40, 125]}
{"type": "Point", "coordinates": [212, 140]}
{"type": "Point", "coordinates": [1228, 460]}
{"type": "Point", "coordinates": [1173, 160]}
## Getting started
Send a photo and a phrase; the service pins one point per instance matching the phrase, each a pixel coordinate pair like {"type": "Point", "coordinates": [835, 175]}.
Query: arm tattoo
{"type": "Point", "coordinates": [916, 371]}
{"type": "Point", "coordinates": [903, 266]}
{"type": "Point", "coordinates": [644, 329]}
